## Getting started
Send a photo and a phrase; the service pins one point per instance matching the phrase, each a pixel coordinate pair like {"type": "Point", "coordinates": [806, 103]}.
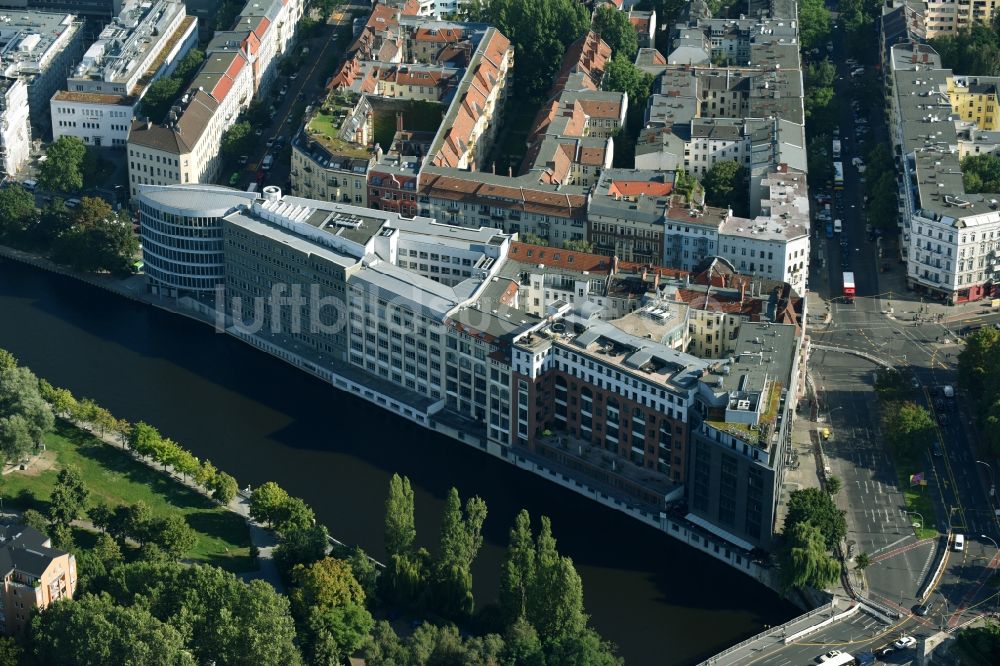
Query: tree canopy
{"type": "Point", "coordinates": [724, 185]}
{"type": "Point", "coordinates": [222, 618]}
{"type": "Point", "coordinates": [804, 559]}
{"type": "Point", "coordinates": [815, 506]}
{"type": "Point", "coordinates": [540, 31]}
{"type": "Point", "coordinates": [25, 417]}
{"type": "Point", "coordinates": [93, 631]}
{"type": "Point", "coordinates": [616, 30]}
{"type": "Point", "coordinates": [62, 170]}
{"type": "Point", "coordinates": [17, 211]}
{"type": "Point", "coordinates": [909, 428]}
{"type": "Point", "coordinates": [981, 173]}
{"type": "Point", "coordinates": [973, 51]}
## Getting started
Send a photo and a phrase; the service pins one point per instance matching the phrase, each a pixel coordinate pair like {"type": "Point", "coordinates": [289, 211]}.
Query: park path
{"type": "Point", "coordinates": [264, 539]}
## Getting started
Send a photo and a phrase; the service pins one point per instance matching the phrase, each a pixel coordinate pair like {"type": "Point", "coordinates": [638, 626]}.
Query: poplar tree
{"type": "Point", "coordinates": [400, 527]}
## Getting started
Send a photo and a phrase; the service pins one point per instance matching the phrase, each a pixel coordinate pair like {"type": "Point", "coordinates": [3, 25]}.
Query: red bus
{"type": "Point", "coordinates": [849, 287]}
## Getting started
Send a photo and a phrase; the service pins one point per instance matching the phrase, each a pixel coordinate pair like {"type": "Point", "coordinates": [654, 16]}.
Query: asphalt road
{"type": "Point", "coordinates": [893, 324]}
{"type": "Point", "coordinates": [306, 88]}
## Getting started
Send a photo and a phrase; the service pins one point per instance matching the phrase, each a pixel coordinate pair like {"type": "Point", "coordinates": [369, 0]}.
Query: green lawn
{"type": "Point", "coordinates": [115, 477]}
{"type": "Point", "coordinates": [918, 498]}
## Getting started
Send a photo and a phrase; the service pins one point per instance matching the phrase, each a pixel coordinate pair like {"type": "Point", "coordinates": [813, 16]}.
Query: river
{"type": "Point", "coordinates": [662, 602]}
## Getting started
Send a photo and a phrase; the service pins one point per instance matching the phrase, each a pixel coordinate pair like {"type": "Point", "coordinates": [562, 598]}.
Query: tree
{"type": "Point", "coordinates": [124, 430]}
{"type": "Point", "coordinates": [804, 558]}
{"type": "Point", "coordinates": [294, 514]}
{"type": "Point", "coordinates": [101, 515]}
{"type": "Point", "coordinates": [862, 561]}
{"type": "Point", "coordinates": [34, 518]}
{"type": "Point", "coordinates": [301, 546]}
{"type": "Point", "coordinates": [330, 635]}
{"type": "Point", "coordinates": [539, 30]}
{"type": "Point", "coordinates": [584, 648]}
{"type": "Point", "coordinates": [461, 539]}
{"type": "Point", "coordinates": [364, 571]}
{"type": "Point", "coordinates": [17, 211]}
{"type": "Point", "coordinates": [69, 497]}
{"type": "Point", "coordinates": [25, 417]}
{"type": "Point", "coordinates": [238, 140]}
{"type": "Point", "coordinates": [518, 573]}
{"type": "Point", "coordinates": [404, 581]}
{"type": "Point", "coordinates": [981, 173]}
{"type": "Point", "coordinates": [92, 211]}
{"type": "Point", "coordinates": [62, 170]}
{"type": "Point", "coordinates": [144, 439]}
{"type": "Point", "coordinates": [616, 30]}
{"type": "Point", "coordinates": [974, 51]}
{"type": "Point", "coordinates": [909, 428]}
{"type": "Point", "coordinates": [93, 631]}
{"type": "Point", "coordinates": [814, 506]}
{"type": "Point", "coordinates": [224, 488]}
{"type": "Point", "coordinates": [266, 501]}
{"type": "Point", "coordinates": [62, 536]}
{"type": "Point", "coordinates": [724, 185]}
{"type": "Point", "coordinates": [977, 362]}
{"type": "Point", "coordinates": [329, 603]}
{"type": "Point", "coordinates": [621, 75]}
{"type": "Point", "coordinates": [533, 239]}
{"type": "Point", "coordinates": [579, 246]}
{"type": "Point", "coordinates": [326, 583]}
{"type": "Point", "coordinates": [834, 484]}
{"type": "Point", "coordinates": [522, 646]}
{"type": "Point", "coordinates": [814, 24]}
{"type": "Point", "coordinates": [555, 597]}
{"type": "Point", "coordinates": [10, 652]}
{"type": "Point", "coordinates": [131, 522]}
{"type": "Point", "coordinates": [400, 528]}
{"type": "Point", "coordinates": [160, 95]}
{"type": "Point", "coordinates": [222, 618]}
{"type": "Point", "coordinates": [185, 463]}
{"type": "Point", "coordinates": [104, 421]}
{"type": "Point", "coordinates": [172, 535]}
{"type": "Point", "coordinates": [205, 474]}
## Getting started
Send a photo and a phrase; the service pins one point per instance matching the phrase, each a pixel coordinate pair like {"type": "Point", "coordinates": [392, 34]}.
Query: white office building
{"type": "Point", "coordinates": [140, 45]}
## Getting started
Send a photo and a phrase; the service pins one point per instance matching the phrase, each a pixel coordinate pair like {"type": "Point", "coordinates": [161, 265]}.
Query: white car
{"type": "Point", "coordinates": [905, 642]}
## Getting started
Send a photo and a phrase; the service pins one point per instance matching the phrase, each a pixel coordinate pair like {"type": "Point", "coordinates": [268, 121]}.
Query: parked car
{"type": "Point", "coordinates": [29, 185]}
{"type": "Point", "coordinates": [283, 91]}
{"type": "Point", "coordinates": [72, 203]}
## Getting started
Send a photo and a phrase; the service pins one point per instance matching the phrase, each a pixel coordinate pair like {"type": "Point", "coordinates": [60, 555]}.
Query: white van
{"type": "Point", "coordinates": [959, 544]}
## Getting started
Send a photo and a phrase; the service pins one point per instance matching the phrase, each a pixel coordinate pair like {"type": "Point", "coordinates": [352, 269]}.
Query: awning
{"type": "Point", "coordinates": [719, 532]}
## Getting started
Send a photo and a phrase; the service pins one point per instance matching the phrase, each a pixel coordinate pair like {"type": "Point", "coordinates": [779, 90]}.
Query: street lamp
{"type": "Point", "coordinates": [993, 488]}
{"type": "Point", "coordinates": [917, 514]}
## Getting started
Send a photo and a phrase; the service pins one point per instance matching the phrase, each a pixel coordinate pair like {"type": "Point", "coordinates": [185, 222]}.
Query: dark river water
{"type": "Point", "coordinates": [662, 602]}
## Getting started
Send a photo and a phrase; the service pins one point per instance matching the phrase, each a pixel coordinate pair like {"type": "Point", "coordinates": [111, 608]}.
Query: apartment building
{"type": "Point", "coordinates": [951, 236]}
{"type": "Point", "coordinates": [15, 125]}
{"type": "Point", "coordinates": [936, 18]}
{"type": "Point", "coordinates": [738, 450]}
{"type": "Point", "coordinates": [34, 575]}
{"type": "Point", "coordinates": [468, 128]}
{"type": "Point", "coordinates": [143, 43]}
{"type": "Point", "coordinates": [184, 148]}
{"type": "Point", "coordinates": [42, 49]}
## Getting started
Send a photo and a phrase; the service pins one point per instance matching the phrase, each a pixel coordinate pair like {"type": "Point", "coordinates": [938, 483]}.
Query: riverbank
{"type": "Point", "coordinates": [426, 413]}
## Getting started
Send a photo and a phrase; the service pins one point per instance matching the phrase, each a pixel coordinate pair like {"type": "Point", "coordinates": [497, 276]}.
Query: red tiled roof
{"type": "Point", "coordinates": [634, 188]}
{"type": "Point", "coordinates": [554, 257]}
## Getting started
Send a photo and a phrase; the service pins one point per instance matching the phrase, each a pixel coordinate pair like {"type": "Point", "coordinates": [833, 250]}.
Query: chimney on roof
{"type": "Point", "coordinates": [510, 171]}
{"type": "Point", "coordinates": [743, 292]}
{"type": "Point", "coordinates": [494, 168]}
{"type": "Point", "coordinates": [614, 265]}
{"type": "Point", "coordinates": [399, 121]}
